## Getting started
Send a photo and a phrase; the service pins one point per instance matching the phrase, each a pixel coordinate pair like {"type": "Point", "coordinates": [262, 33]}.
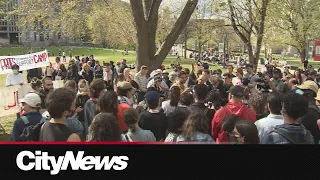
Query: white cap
{"type": "Point", "coordinates": [32, 99]}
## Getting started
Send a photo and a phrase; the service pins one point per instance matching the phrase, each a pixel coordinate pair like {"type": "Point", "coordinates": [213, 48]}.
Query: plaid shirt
{"type": "Point", "coordinates": [298, 132]}
{"type": "Point", "coordinates": [142, 81]}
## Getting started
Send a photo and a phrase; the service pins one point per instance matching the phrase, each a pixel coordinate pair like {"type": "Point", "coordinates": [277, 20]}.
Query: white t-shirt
{"type": "Point", "coordinates": [14, 80]}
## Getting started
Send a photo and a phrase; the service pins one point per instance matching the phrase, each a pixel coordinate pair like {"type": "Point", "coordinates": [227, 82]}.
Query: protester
{"type": "Point", "coordinates": [266, 125]}
{"type": "Point", "coordinates": [15, 78]}
{"type": "Point", "coordinates": [108, 76]}
{"type": "Point", "coordinates": [62, 73]}
{"type": "Point", "coordinates": [87, 73]}
{"type": "Point", "coordinates": [238, 80]}
{"type": "Point", "coordinates": [50, 71]}
{"type": "Point", "coordinates": [309, 120]}
{"type": "Point", "coordinates": [82, 98]}
{"type": "Point", "coordinates": [127, 75]}
{"type": "Point", "coordinates": [246, 132]}
{"type": "Point", "coordinates": [98, 73]}
{"type": "Point", "coordinates": [135, 133]}
{"type": "Point", "coordinates": [174, 97]}
{"type": "Point", "coordinates": [104, 128]}
{"type": "Point", "coordinates": [291, 132]}
{"type": "Point", "coordinates": [252, 77]}
{"type": "Point", "coordinates": [96, 90]}
{"type": "Point", "coordinates": [230, 71]}
{"type": "Point", "coordinates": [47, 87]}
{"type": "Point", "coordinates": [227, 79]}
{"type": "Point", "coordinates": [195, 129]}
{"type": "Point", "coordinates": [61, 104]}
{"type": "Point", "coordinates": [31, 104]}
{"type": "Point", "coordinates": [176, 120]}
{"type": "Point", "coordinates": [189, 82]}
{"type": "Point", "coordinates": [235, 106]}
{"type": "Point", "coordinates": [227, 127]}
{"type": "Point", "coordinates": [153, 119]}
{"type": "Point", "coordinates": [36, 85]}
{"type": "Point", "coordinates": [258, 103]}
{"type": "Point", "coordinates": [142, 80]}
{"type": "Point", "coordinates": [126, 93]}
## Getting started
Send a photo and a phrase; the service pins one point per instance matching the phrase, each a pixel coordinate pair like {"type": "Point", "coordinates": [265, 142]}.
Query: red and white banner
{"type": "Point", "coordinates": [25, 62]}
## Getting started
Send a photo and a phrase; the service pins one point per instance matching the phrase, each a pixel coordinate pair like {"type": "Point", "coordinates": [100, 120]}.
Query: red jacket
{"type": "Point", "coordinates": [237, 108]}
{"type": "Point", "coordinates": [121, 109]}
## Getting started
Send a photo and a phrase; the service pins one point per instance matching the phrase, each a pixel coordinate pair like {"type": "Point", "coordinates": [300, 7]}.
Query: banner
{"type": "Point", "coordinates": [317, 50]}
{"type": "Point", "coordinates": [25, 62]}
{"type": "Point", "coordinates": [9, 103]}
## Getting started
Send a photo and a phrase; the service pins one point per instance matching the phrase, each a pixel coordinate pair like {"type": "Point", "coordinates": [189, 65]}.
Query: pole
{"type": "Point", "coordinates": [307, 55]}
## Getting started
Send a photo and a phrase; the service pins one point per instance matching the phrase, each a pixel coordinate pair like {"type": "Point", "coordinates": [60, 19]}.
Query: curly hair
{"type": "Point", "coordinates": [295, 105]}
{"type": "Point", "coordinates": [258, 102]}
{"type": "Point", "coordinates": [59, 101]}
{"type": "Point", "coordinates": [104, 127]}
{"type": "Point", "coordinates": [196, 121]}
{"type": "Point", "coordinates": [108, 103]}
{"type": "Point", "coordinates": [176, 120]}
{"type": "Point", "coordinates": [214, 97]}
{"type": "Point", "coordinates": [96, 87]}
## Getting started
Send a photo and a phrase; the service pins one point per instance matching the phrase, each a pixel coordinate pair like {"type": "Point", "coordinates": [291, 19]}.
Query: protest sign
{"type": "Point", "coordinates": [25, 62]}
{"type": "Point", "coordinates": [9, 103]}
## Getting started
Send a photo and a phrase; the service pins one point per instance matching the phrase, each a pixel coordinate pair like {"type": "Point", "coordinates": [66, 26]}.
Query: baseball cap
{"type": "Point", "coordinates": [309, 85]}
{"type": "Point", "coordinates": [32, 99]}
{"type": "Point", "coordinates": [237, 91]}
{"type": "Point", "coordinates": [165, 72]}
{"type": "Point", "coordinates": [152, 96]}
{"type": "Point", "coordinates": [154, 73]}
{"type": "Point", "coordinates": [157, 79]}
{"type": "Point", "coordinates": [124, 85]}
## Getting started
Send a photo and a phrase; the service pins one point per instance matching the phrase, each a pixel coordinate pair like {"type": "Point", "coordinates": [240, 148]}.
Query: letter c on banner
{"type": "Point", "coordinates": [19, 160]}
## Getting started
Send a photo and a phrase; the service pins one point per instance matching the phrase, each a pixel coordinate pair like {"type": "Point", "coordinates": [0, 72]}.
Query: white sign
{"type": "Point", "coordinates": [25, 62]}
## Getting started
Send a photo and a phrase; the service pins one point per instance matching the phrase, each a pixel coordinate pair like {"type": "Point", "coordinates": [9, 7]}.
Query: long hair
{"type": "Point", "coordinates": [174, 96]}
{"type": "Point", "coordinates": [197, 121]}
{"type": "Point", "coordinates": [249, 131]}
{"type": "Point", "coordinates": [131, 117]}
{"type": "Point", "coordinates": [108, 103]}
{"type": "Point", "coordinates": [299, 77]}
{"type": "Point", "coordinates": [104, 128]}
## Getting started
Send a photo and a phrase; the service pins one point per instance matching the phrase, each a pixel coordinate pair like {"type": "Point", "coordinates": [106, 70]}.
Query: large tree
{"type": "Point", "coordinates": [298, 21]}
{"type": "Point", "coordinates": [145, 14]}
{"type": "Point", "coordinates": [247, 17]}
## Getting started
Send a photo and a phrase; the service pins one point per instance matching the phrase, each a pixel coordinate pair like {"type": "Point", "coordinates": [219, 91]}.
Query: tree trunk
{"type": "Point", "coordinates": [303, 54]}
{"type": "Point", "coordinates": [146, 26]}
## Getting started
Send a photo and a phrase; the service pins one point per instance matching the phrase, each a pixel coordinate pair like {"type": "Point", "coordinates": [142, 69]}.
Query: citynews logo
{"type": "Point", "coordinates": [40, 161]}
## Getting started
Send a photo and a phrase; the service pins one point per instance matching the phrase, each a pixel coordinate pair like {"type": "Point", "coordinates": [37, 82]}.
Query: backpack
{"type": "Point", "coordinates": [288, 137]}
{"type": "Point", "coordinates": [31, 132]}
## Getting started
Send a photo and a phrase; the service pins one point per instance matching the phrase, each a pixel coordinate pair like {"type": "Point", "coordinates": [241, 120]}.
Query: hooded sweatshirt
{"type": "Point", "coordinates": [237, 108]}
{"type": "Point", "coordinates": [298, 132]}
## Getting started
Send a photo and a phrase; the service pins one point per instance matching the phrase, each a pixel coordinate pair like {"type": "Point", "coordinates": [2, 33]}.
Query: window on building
{"type": "Point", "coordinates": [27, 35]}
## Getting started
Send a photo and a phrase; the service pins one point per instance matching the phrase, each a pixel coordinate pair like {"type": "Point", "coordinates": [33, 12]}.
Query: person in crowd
{"type": "Point", "coordinates": [318, 99]}
{"type": "Point", "coordinates": [142, 80]}
{"type": "Point", "coordinates": [108, 76]}
{"type": "Point", "coordinates": [218, 85]}
{"type": "Point", "coordinates": [123, 66]}
{"type": "Point", "coordinates": [15, 78]}
{"type": "Point", "coordinates": [108, 103]}
{"type": "Point", "coordinates": [200, 93]}
{"type": "Point", "coordinates": [165, 77]}
{"type": "Point", "coordinates": [230, 71]}
{"type": "Point", "coordinates": [292, 131]}
{"type": "Point", "coordinates": [36, 85]}
{"type": "Point", "coordinates": [201, 79]}
{"type": "Point", "coordinates": [266, 125]}
{"type": "Point", "coordinates": [246, 132]}
{"type": "Point", "coordinates": [293, 83]}
{"type": "Point", "coordinates": [104, 128]}
{"type": "Point", "coordinates": [176, 120]}
{"type": "Point", "coordinates": [185, 102]}
{"type": "Point", "coordinates": [252, 77]}
{"type": "Point", "coordinates": [298, 76]}
{"type": "Point", "coordinates": [206, 75]}
{"type": "Point", "coordinates": [61, 104]}
{"type": "Point", "coordinates": [47, 87]}
{"type": "Point", "coordinates": [195, 129]}
{"type": "Point", "coordinates": [218, 73]}
{"type": "Point", "coordinates": [120, 78]}
{"type": "Point", "coordinates": [77, 62]}
{"type": "Point", "coordinates": [62, 73]}
{"type": "Point", "coordinates": [31, 104]}
{"type": "Point", "coordinates": [182, 78]}
{"type": "Point", "coordinates": [50, 71]}
{"type": "Point", "coordinates": [189, 82]}
{"type": "Point", "coordinates": [72, 72]}
{"type": "Point", "coordinates": [158, 83]}
{"type": "Point", "coordinates": [127, 75]}
{"type": "Point", "coordinates": [275, 82]}
{"type": "Point", "coordinates": [135, 133]}
{"type": "Point", "coordinates": [258, 103]}
{"type": "Point", "coordinates": [309, 120]}
{"type": "Point", "coordinates": [98, 73]}
{"type": "Point", "coordinates": [154, 120]}
{"type": "Point", "coordinates": [72, 122]}
{"type": "Point", "coordinates": [171, 104]}
{"type": "Point", "coordinates": [227, 126]}
{"type": "Point", "coordinates": [87, 73]}
{"type": "Point", "coordinates": [125, 93]}
{"type": "Point", "coordinates": [32, 73]}
{"type": "Point", "coordinates": [118, 67]}
{"type": "Point", "coordinates": [215, 102]}
{"type": "Point", "coordinates": [82, 98]}
{"type": "Point", "coordinates": [58, 63]}
{"type": "Point", "coordinates": [238, 80]}
{"type": "Point", "coordinates": [235, 106]}
{"type": "Point", "coordinates": [227, 79]}
{"type": "Point", "coordinates": [96, 90]}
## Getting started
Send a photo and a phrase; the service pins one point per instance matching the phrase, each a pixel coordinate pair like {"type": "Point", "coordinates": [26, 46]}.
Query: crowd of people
{"type": "Point", "coordinates": [107, 102]}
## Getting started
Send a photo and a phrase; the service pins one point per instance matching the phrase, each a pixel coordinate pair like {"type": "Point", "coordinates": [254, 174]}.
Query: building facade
{"type": "Point", "coordinates": [9, 31]}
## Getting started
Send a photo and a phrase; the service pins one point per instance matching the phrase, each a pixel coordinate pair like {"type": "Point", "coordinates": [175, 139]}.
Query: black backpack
{"type": "Point", "coordinates": [31, 132]}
